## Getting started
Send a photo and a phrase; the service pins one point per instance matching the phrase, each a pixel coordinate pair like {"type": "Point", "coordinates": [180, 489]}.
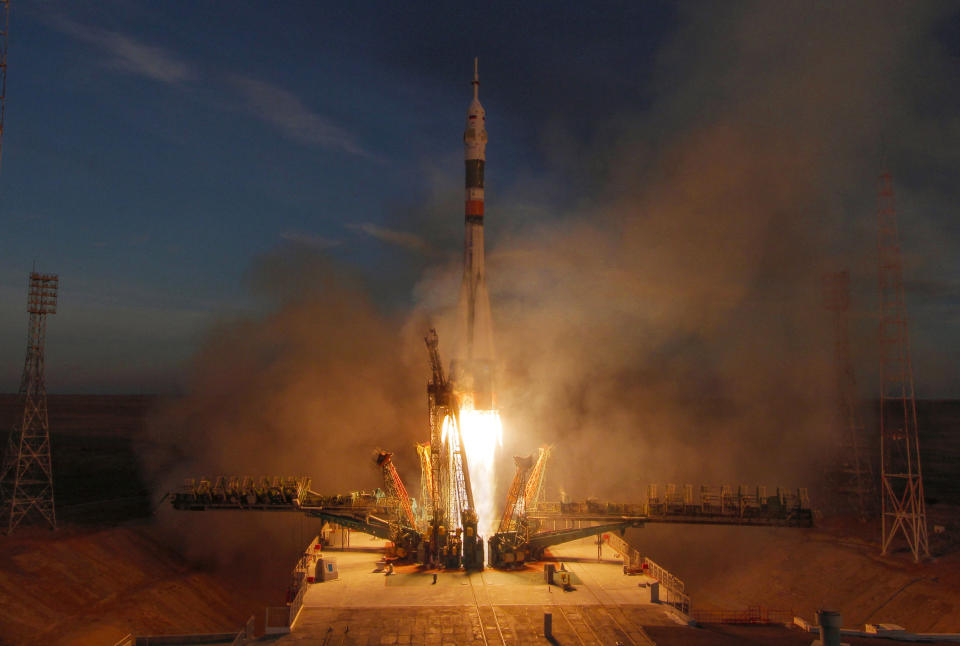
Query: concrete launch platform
{"type": "Point", "coordinates": [366, 606]}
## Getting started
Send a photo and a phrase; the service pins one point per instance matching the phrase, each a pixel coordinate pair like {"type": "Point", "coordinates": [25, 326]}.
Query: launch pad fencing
{"type": "Point", "coordinates": [671, 587]}
{"type": "Point", "coordinates": [751, 615]}
{"type": "Point", "coordinates": [240, 638]}
{"type": "Point", "coordinates": [279, 620]}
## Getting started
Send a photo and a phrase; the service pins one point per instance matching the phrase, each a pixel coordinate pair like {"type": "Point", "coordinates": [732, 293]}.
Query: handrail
{"type": "Point", "coordinates": [750, 615]}
{"type": "Point", "coordinates": [678, 600]}
{"type": "Point", "coordinates": [188, 638]}
{"type": "Point", "coordinates": [662, 575]}
{"type": "Point", "coordinates": [631, 556]}
{"type": "Point", "coordinates": [671, 587]}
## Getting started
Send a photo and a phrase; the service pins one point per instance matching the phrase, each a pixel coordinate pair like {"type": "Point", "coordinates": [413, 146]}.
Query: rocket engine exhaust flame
{"type": "Point", "coordinates": [482, 433]}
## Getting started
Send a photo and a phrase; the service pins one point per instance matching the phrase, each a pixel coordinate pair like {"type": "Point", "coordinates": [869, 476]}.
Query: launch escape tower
{"type": "Point", "coordinates": [856, 473]}
{"type": "Point", "coordinates": [26, 479]}
{"type": "Point", "coordinates": [902, 505]}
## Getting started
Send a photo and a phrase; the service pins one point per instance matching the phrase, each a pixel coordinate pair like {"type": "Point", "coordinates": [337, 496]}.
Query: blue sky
{"type": "Point", "coordinates": [153, 151]}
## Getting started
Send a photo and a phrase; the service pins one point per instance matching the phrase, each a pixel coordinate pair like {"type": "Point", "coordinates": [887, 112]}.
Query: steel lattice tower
{"type": "Point", "coordinates": [902, 505]}
{"type": "Point", "coordinates": [856, 474]}
{"type": "Point", "coordinates": [26, 479]}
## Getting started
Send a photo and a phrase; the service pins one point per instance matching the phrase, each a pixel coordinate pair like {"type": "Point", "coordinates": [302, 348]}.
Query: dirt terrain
{"type": "Point", "coordinates": [93, 586]}
{"type": "Point", "coordinates": [111, 570]}
{"type": "Point", "coordinates": [836, 566]}
{"type": "Point", "coordinates": [105, 572]}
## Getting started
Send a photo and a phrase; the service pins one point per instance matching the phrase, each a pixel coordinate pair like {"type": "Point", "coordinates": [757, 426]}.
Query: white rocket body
{"type": "Point", "coordinates": [472, 369]}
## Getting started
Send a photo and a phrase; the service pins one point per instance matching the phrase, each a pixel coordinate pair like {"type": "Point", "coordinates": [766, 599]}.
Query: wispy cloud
{"type": "Point", "coordinates": [404, 239]}
{"type": "Point", "coordinates": [131, 55]}
{"type": "Point", "coordinates": [309, 239]}
{"type": "Point", "coordinates": [286, 112]}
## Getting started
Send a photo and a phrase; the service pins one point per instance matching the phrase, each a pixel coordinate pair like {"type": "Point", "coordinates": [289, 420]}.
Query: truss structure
{"type": "Point", "coordinates": [26, 477]}
{"type": "Point", "coordinates": [450, 476]}
{"type": "Point", "coordinates": [395, 489]}
{"type": "Point", "coordinates": [427, 493]}
{"type": "Point", "coordinates": [856, 474]}
{"type": "Point", "coordinates": [903, 511]}
{"type": "Point", "coordinates": [533, 492]}
{"type": "Point", "coordinates": [515, 508]}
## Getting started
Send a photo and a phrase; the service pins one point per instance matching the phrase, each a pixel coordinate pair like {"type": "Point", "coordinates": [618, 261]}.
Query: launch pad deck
{"type": "Point", "coordinates": [367, 606]}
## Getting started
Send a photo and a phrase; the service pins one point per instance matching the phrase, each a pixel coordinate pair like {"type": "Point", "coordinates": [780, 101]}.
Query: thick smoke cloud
{"type": "Point", "coordinates": [311, 388]}
{"type": "Point", "coordinates": [664, 324]}
{"type": "Point", "coordinates": [669, 326]}
{"type": "Point", "coordinates": [321, 377]}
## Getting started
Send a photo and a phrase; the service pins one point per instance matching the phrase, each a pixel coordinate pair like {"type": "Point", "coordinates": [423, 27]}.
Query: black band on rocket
{"type": "Point", "coordinates": [474, 173]}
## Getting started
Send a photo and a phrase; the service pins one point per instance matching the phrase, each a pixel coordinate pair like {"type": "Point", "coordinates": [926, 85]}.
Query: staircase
{"type": "Point", "coordinates": [671, 587]}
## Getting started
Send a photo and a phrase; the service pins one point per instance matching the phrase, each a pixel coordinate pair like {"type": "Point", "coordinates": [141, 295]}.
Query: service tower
{"type": "Point", "coordinates": [472, 367]}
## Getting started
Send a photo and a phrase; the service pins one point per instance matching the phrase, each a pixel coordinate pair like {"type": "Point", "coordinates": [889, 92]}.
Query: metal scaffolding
{"type": "Point", "coordinates": [427, 493]}
{"type": "Point", "coordinates": [903, 508]}
{"type": "Point", "coordinates": [26, 478]}
{"type": "Point", "coordinates": [514, 511]}
{"type": "Point", "coordinates": [395, 489]}
{"type": "Point", "coordinates": [533, 492]}
{"type": "Point", "coordinates": [856, 473]}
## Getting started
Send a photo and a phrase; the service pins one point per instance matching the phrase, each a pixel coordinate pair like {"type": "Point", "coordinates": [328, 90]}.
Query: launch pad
{"type": "Point", "coordinates": [367, 606]}
{"type": "Point", "coordinates": [428, 543]}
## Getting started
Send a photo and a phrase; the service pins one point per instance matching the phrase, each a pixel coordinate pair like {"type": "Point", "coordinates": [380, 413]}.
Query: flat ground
{"type": "Point", "coordinates": [367, 607]}
{"type": "Point", "coordinates": [487, 607]}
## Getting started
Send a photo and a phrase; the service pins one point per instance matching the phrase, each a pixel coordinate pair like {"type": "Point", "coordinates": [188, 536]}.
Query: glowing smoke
{"type": "Point", "coordinates": [668, 327]}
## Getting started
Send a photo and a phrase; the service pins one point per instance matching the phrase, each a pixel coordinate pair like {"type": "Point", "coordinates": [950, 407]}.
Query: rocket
{"type": "Point", "coordinates": [472, 369]}
{"type": "Point", "coordinates": [474, 159]}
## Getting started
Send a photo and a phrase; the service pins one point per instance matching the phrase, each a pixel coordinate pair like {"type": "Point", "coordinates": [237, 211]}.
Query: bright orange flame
{"type": "Point", "coordinates": [482, 434]}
